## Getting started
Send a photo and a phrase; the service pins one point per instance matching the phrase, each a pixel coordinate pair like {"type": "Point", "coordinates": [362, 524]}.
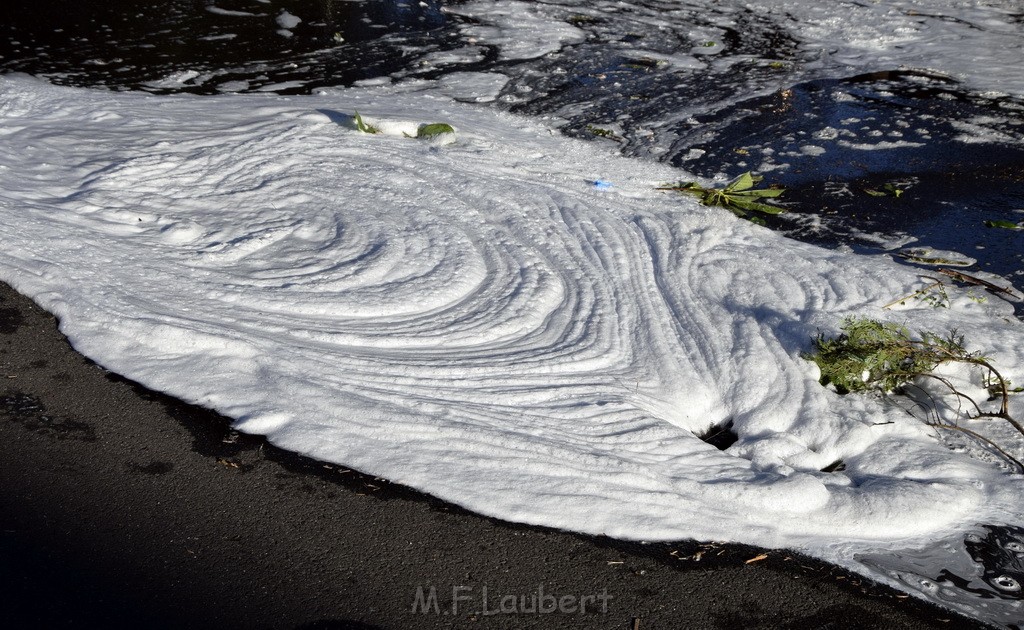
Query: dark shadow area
{"type": "Point", "coordinates": [836, 466]}
{"type": "Point", "coordinates": [336, 624]}
{"type": "Point", "coordinates": [721, 436]}
{"type": "Point", "coordinates": [43, 588]}
{"type": "Point", "coordinates": [341, 119]}
{"type": "Point", "coordinates": [10, 320]}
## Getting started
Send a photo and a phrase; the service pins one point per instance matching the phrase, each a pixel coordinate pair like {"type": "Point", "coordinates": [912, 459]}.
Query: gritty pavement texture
{"type": "Point", "coordinates": [121, 507]}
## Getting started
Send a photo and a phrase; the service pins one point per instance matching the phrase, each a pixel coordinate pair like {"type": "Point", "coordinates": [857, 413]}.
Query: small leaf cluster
{"type": "Point", "coordinates": [601, 132]}
{"type": "Point", "coordinates": [739, 195]}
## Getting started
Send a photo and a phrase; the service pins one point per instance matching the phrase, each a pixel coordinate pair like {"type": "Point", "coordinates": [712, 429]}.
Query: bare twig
{"type": "Point", "coordinates": [978, 436]}
{"type": "Point", "coordinates": [952, 389]}
{"type": "Point", "coordinates": [968, 279]}
{"type": "Point", "coordinates": [921, 291]}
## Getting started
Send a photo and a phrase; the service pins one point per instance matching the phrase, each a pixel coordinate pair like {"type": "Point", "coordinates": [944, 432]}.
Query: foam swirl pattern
{"type": "Point", "coordinates": [476, 320]}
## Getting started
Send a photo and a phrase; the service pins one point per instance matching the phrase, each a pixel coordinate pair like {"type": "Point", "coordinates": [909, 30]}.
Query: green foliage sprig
{"type": "Point", "coordinates": [607, 134]}
{"type": "Point", "coordinates": [884, 357]}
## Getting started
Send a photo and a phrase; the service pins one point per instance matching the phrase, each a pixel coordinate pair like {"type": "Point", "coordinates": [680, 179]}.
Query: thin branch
{"type": "Point", "coordinates": [954, 390]}
{"type": "Point", "coordinates": [1004, 408]}
{"type": "Point", "coordinates": [921, 291]}
{"type": "Point", "coordinates": [978, 436]}
{"type": "Point", "coordinates": [929, 409]}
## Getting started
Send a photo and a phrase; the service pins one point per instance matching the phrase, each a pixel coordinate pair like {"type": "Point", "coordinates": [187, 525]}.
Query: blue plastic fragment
{"type": "Point", "coordinates": [601, 184]}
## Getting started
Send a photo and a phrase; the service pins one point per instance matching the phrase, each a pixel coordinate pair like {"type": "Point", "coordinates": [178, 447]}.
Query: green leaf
{"type": "Point", "coordinates": [892, 190]}
{"type": "Point", "coordinates": [362, 126]}
{"type": "Point", "coordinates": [1006, 225]}
{"type": "Point", "coordinates": [761, 192]}
{"type": "Point", "coordinates": [601, 132]}
{"type": "Point", "coordinates": [433, 130]}
{"type": "Point", "coordinates": [874, 193]}
{"type": "Point", "coordinates": [759, 207]}
{"type": "Point", "coordinates": [743, 182]}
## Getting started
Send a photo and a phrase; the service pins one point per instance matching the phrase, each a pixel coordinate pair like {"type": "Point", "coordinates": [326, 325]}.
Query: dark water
{"type": "Point", "coordinates": [949, 188]}
{"type": "Point", "coordinates": [232, 44]}
{"type": "Point", "coordinates": [984, 567]}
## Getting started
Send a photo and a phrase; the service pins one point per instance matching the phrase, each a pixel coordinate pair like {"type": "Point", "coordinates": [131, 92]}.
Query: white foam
{"type": "Point", "coordinates": [219, 11]}
{"type": "Point", "coordinates": [477, 320]}
{"type": "Point", "coordinates": [218, 38]}
{"type": "Point", "coordinates": [882, 145]}
{"type": "Point", "coordinates": [175, 79]}
{"type": "Point", "coordinates": [520, 30]}
{"type": "Point", "coordinates": [978, 43]}
{"type": "Point", "coordinates": [476, 87]}
{"type": "Point", "coordinates": [286, 20]}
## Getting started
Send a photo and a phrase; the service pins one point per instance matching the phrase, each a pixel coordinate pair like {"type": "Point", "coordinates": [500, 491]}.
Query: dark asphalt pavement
{"type": "Point", "coordinates": [121, 507]}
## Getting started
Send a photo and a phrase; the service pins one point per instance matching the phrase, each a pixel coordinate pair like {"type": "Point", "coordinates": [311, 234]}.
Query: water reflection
{"type": "Point", "coordinates": [983, 569]}
{"type": "Point", "coordinates": [1000, 553]}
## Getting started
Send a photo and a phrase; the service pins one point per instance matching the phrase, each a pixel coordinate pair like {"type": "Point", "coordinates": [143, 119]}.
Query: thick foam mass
{"type": "Point", "coordinates": [477, 320]}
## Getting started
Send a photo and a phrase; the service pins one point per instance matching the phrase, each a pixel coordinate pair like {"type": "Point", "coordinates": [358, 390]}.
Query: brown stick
{"type": "Point", "coordinates": [963, 277]}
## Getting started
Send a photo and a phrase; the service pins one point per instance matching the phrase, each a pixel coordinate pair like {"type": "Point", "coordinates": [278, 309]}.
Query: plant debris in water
{"type": "Point", "coordinates": [426, 131]}
{"type": "Point", "coordinates": [889, 190]}
{"type": "Point", "coordinates": [1006, 225]}
{"type": "Point", "coordinates": [608, 134]}
{"type": "Point", "coordinates": [740, 195]}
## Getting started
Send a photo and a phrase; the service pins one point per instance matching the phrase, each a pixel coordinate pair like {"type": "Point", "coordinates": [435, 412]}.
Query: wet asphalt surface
{"type": "Point", "coordinates": [121, 507]}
